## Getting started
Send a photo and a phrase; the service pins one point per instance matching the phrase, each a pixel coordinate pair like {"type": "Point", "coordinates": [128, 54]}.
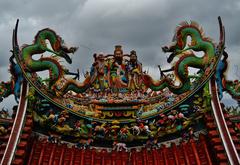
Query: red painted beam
{"type": "Point", "coordinates": [41, 154]}
{"type": "Point", "coordinates": [185, 154]}
{"type": "Point", "coordinates": [32, 152]}
{"type": "Point", "coordinates": [193, 145]}
{"type": "Point", "coordinates": [203, 142]}
{"type": "Point", "coordinates": [52, 155]}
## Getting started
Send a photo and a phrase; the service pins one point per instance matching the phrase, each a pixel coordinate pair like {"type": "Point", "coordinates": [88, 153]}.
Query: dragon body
{"type": "Point", "coordinates": [56, 71]}
{"type": "Point", "coordinates": [45, 63]}
{"type": "Point", "coordinates": [186, 58]}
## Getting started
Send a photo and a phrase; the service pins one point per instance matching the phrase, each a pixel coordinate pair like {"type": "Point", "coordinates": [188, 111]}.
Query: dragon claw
{"type": "Point", "coordinates": [73, 49]}
{"type": "Point", "coordinates": [165, 49]}
{"type": "Point", "coordinates": [171, 57]}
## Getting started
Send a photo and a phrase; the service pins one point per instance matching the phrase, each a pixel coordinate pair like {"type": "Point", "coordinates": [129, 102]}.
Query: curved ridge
{"type": "Point", "coordinates": [17, 126]}
{"type": "Point", "coordinates": [228, 144]}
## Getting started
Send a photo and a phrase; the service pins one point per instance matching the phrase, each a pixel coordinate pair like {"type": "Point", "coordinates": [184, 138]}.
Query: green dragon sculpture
{"type": "Point", "coordinates": [187, 58]}
{"type": "Point", "coordinates": [56, 71]}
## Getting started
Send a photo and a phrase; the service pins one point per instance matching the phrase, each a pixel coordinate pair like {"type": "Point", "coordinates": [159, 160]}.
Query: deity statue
{"type": "Point", "coordinates": [98, 70]}
{"type": "Point", "coordinates": [134, 69]}
{"type": "Point", "coordinates": [118, 68]}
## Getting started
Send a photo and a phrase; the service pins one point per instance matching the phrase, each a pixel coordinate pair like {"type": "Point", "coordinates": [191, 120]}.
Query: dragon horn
{"type": "Point", "coordinates": [222, 33]}
{"type": "Point", "coordinates": [78, 76]}
{"type": "Point", "coordinates": [15, 40]}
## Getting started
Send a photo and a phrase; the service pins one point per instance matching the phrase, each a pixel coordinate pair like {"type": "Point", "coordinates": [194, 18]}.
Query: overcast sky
{"type": "Point", "coordinates": [98, 25]}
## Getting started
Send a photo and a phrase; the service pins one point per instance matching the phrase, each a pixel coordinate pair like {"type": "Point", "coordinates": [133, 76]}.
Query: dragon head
{"type": "Point", "coordinates": [63, 51]}
{"type": "Point", "coordinates": [179, 41]}
{"type": "Point", "coordinates": [178, 44]}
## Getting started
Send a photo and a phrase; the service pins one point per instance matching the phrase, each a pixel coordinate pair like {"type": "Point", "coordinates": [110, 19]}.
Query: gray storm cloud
{"type": "Point", "coordinates": [98, 25]}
